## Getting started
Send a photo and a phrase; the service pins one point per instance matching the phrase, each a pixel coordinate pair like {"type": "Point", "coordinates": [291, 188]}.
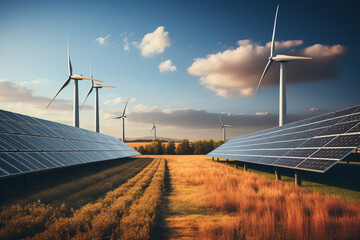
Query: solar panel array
{"type": "Point", "coordinates": [314, 144]}
{"type": "Point", "coordinates": [29, 144]}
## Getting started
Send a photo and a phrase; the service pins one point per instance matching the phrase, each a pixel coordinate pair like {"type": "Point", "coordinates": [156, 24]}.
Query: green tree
{"type": "Point", "coordinates": [149, 149]}
{"type": "Point", "coordinates": [184, 147]}
{"type": "Point", "coordinates": [170, 148]}
{"type": "Point", "coordinates": [141, 150]}
{"type": "Point", "coordinates": [156, 147]}
{"type": "Point", "coordinates": [199, 147]}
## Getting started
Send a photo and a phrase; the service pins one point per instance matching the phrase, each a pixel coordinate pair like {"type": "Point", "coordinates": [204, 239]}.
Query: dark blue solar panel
{"type": "Point", "coordinates": [313, 144]}
{"type": "Point", "coordinates": [30, 144]}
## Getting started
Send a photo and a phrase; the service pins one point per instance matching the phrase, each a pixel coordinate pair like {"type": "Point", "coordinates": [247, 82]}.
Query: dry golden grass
{"type": "Point", "coordinates": [102, 219]}
{"type": "Point", "coordinates": [266, 209]}
{"type": "Point", "coordinates": [97, 220]}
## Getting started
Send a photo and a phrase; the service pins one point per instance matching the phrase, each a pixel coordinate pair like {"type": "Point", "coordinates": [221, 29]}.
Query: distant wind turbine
{"type": "Point", "coordinates": [123, 116]}
{"type": "Point", "coordinates": [154, 129]}
{"type": "Point", "coordinates": [76, 90]}
{"type": "Point", "coordinates": [223, 127]}
{"type": "Point", "coordinates": [97, 86]}
{"type": "Point", "coordinates": [282, 59]}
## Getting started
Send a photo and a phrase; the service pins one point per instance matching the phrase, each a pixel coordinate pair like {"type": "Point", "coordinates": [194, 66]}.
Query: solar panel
{"type": "Point", "coordinates": [29, 144]}
{"type": "Point", "coordinates": [313, 144]}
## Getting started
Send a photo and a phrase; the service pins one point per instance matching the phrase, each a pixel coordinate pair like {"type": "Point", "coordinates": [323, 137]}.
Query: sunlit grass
{"type": "Point", "coordinates": [29, 218]}
{"type": "Point", "coordinates": [266, 209]}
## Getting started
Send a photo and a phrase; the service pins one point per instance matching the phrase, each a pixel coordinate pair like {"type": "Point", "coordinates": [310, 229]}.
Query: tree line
{"type": "Point", "coordinates": [184, 148]}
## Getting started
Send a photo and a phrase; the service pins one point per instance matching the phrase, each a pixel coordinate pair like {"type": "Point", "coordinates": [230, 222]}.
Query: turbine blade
{"type": "Point", "coordinates": [79, 77]}
{"type": "Point", "coordinates": [125, 107]}
{"type": "Point", "coordinates": [272, 49]}
{"type": "Point", "coordinates": [262, 76]}
{"type": "Point", "coordinates": [69, 62]}
{"type": "Point", "coordinates": [87, 96]}
{"type": "Point", "coordinates": [288, 58]}
{"type": "Point", "coordinates": [222, 124]}
{"type": "Point", "coordinates": [108, 86]}
{"type": "Point", "coordinates": [62, 87]}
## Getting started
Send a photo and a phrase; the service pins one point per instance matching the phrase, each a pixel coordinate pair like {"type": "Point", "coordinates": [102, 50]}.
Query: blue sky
{"type": "Point", "coordinates": [33, 62]}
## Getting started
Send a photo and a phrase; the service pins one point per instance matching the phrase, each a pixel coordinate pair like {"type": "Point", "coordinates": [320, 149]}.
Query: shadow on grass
{"type": "Point", "coordinates": [161, 230]}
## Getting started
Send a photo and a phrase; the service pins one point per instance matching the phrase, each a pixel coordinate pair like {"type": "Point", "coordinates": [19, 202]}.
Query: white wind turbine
{"type": "Point", "coordinates": [282, 59]}
{"type": "Point", "coordinates": [154, 129]}
{"type": "Point", "coordinates": [96, 86]}
{"type": "Point", "coordinates": [75, 77]}
{"type": "Point", "coordinates": [223, 127]}
{"type": "Point", "coordinates": [123, 116]}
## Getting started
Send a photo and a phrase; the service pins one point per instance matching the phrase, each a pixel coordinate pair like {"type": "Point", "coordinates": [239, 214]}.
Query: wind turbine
{"type": "Point", "coordinates": [282, 59]}
{"type": "Point", "coordinates": [123, 116]}
{"type": "Point", "coordinates": [223, 127]}
{"type": "Point", "coordinates": [154, 128]}
{"type": "Point", "coordinates": [97, 86]}
{"type": "Point", "coordinates": [75, 77]}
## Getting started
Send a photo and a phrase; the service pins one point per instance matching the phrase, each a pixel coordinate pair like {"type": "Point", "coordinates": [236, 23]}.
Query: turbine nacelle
{"type": "Point", "coordinates": [81, 77]}
{"type": "Point", "coordinates": [286, 58]}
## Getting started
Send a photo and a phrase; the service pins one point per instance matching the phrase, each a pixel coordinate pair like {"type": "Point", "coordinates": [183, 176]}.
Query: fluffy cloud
{"type": "Point", "coordinates": [154, 43]}
{"type": "Point", "coordinates": [119, 100]}
{"type": "Point", "coordinates": [167, 66]}
{"type": "Point", "coordinates": [19, 94]}
{"type": "Point", "coordinates": [126, 44]}
{"type": "Point", "coordinates": [39, 81]}
{"type": "Point", "coordinates": [102, 40]}
{"type": "Point", "coordinates": [236, 72]}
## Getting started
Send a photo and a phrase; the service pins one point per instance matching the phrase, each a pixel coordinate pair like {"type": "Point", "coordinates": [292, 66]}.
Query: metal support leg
{"type": "Point", "coordinates": [277, 175]}
{"type": "Point", "coordinates": [297, 179]}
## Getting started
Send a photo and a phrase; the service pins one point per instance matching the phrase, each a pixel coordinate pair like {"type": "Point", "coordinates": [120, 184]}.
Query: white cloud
{"type": "Point", "coordinates": [262, 113]}
{"type": "Point", "coordinates": [236, 72]}
{"type": "Point", "coordinates": [21, 95]}
{"type": "Point", "coordinates": [142, 108]}
{"type": "Point", "coordinates": [126, 44]}
{"type": "Point", "coordinates": [167, 66]}
{"type": "Point", "coordinates": [119, 100]}
{"type": "Point", "coordinates": [154, 43]}
{"type": "Point", "coordinates": [102, 40]}
{"type": "Point", "coordinates": [39, 81]}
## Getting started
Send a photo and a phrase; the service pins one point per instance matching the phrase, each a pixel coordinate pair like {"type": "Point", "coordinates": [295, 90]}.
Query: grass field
{"type": "Point", "coordinates": [210, 200]}
{"type": "Point", "coordinates": [182, 197]}
{"type": "Point", "coordinates": [33, 213]}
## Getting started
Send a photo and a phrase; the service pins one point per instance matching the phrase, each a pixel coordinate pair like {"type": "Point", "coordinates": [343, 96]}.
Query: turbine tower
{"type": "Point", "coordinates": [282, 59]}
{"type": "Point", "coordinates": [76, 90]}
{"type": "Point", "coordinates": [97, 86]}
{"type": "Point", "coordinates": [154, 129]}
{"type": "Point", "coordinates": [223, 127]}
{"type": "Point", "coordinates": [123, 116]}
